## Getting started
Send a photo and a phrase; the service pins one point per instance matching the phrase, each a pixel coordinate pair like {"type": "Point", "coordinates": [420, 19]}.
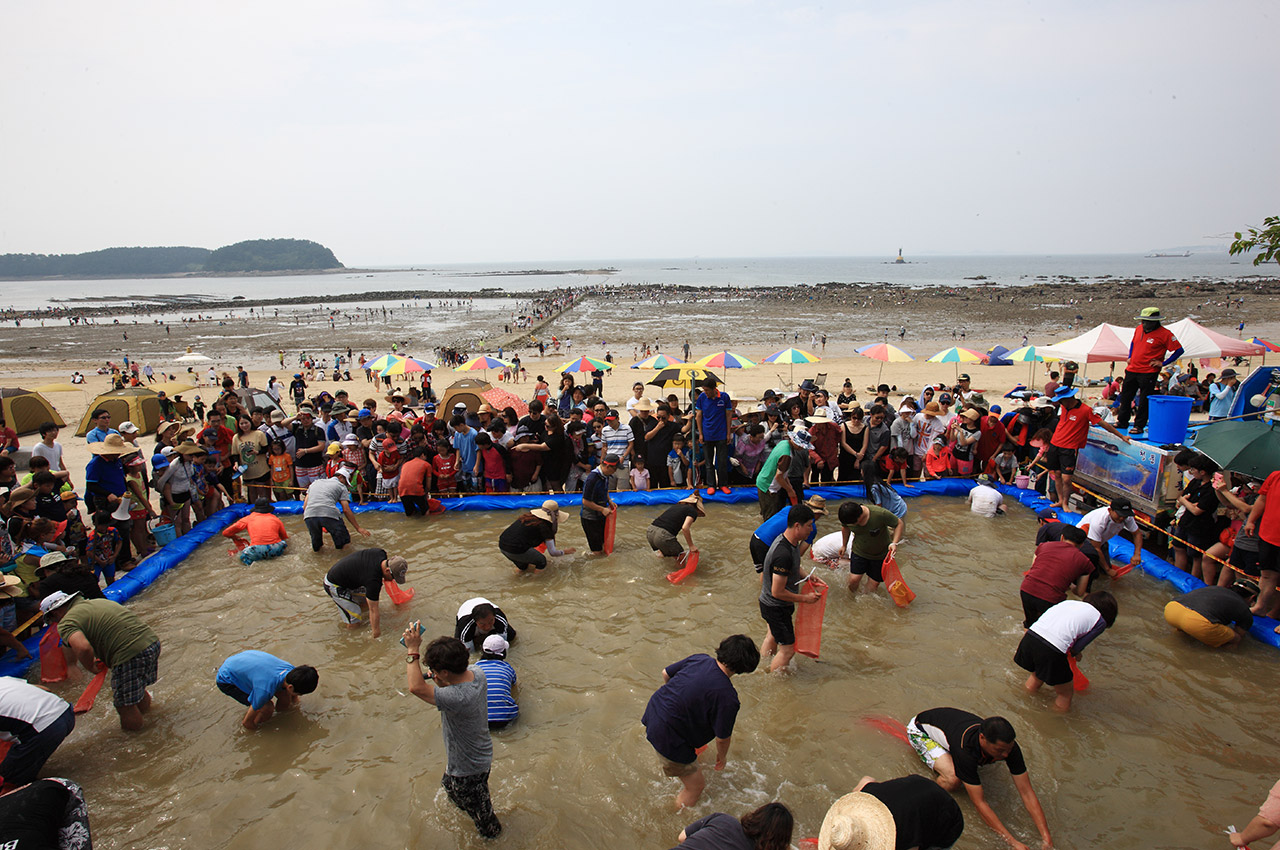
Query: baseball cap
{"type": "Point", "coordinates": [56, 600]}
{"type": "Point", "coordinates": [364, 413]}
{"type": "Point", "coordinates": [964, 376]}
{"type": "Point", "coordinates": [429, 407]}
{"type": "Point", "coordinates": [496, 645]}
{"type": "Point", "coordinates": [399, 567]}
{"type": "Point", "coordinates": [1122, 506]}
{"type": "Point", "coordinates": [459, 406]}
{"type": "Point", "coordinates": [1046, 514]}
{"type": "Point", "coordinates": [127, 427]}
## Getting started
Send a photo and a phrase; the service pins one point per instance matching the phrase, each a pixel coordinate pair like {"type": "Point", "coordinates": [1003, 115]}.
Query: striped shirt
{"type": "Point", "coordinates": [616, 440]}
{"type": "Point", "coordinates": [501, 677]}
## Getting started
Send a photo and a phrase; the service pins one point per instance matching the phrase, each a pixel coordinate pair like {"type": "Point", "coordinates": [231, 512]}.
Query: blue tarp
{"type": "Point", "coordinates": [995, 357]}
{"type": "Point", "coordinates": [175, 553]}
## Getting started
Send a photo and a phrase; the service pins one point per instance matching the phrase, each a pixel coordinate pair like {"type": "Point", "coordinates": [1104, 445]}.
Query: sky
{"type": "Point", "coordinates": [424, 132]}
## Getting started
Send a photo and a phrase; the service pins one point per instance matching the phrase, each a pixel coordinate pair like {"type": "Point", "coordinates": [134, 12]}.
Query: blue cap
{"type": "Point", "coordinates": [1046, 513]}
{"type": "Point", "coordinates": [429, 407]}
{"type": "Point", "coordinates": [1064, 392]}
{"type": "Point", "coordinates": [364, 411]}
{"type": "Point", "coordinates": [995, 408]}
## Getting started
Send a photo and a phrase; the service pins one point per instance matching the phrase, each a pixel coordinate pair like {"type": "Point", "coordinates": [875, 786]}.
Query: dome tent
{"type": "Point", "coordinates": [138, 405]}
{"type": "Point", "coordinates": [468, 391]}
{"type": "Point", "coordinates": [25, 411]}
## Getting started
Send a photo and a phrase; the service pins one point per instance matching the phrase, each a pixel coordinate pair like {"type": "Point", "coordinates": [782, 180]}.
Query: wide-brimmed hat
{"type": "Point", "coordinates": [802, 438]}
{"type": "Point", "coordinates": [52, 559]}
{"type": "Point", "coordinates": [1227, 373]}
{"type": "Point", "coordinates": [1065, 392]}
{"type": "Point", "coordinates": [817, 504]}
{"type": "Point", "coordinates": [339, 409]}
{"type": "Point", "coordinates": [858, 821]}
{"type": "Point", "coordinates": [971, 414]}
{"type": "Point", "coordinates": [1150, 314]}
{"type": "Point", "coordinates": [1040, 402]}
{"type": "Point", "coordinates": [984, 478]}
{"type": "Point", "coordinates": [485, 407]}
{"type": "Point", "coordinates": [11, 586]}
{"type": "Point", "coordinates": [977, 400]}
{"type": "Point", "coordinates": [262, 505]}
{"type": "Point", "coordinates": [808, 385]}
{"type": "Point", "coordinates": [820, 416]}
{"type": "Point", "coordinates": [56, 600]}
{"type": "Point", "coordinates": [277, 415]}
{"type": "Point", "coordinates": [112, 444]}
{"type": "Point", "coordinates": [932, 409]}
{"type": "Point", "coordinates": [643, 403]}
{"type": "Point", "coordinates": [695, 499]}
{"type": "Point", "coordinates": [547, 511]}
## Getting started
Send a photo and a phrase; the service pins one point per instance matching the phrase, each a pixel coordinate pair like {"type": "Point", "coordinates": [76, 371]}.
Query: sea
{"type": "Point", "coordinates": [473, 279]}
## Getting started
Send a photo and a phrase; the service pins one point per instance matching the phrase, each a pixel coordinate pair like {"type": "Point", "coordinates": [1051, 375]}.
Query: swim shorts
{"type": "Point", "coordinates": [1197, 625]}
{"type": "Point", "coordinates": [348, 602]}
{"type": "Point", "coordinates": [675, 768]}
{"type": "Point", "coordinates": [928, 749]}
{"type": "Point", "coordinates": [1060, 459]}
{"type": "Point", "coordinates": [780, 625]}
{"type": "Point", "coordinates": [233, 692]}
{"type": "Point", "coordinates": [869, 567]}
{"type": "Point", "coordinates": [129, 680]}
{"type": "Point", "coordinates": [1268, 556]}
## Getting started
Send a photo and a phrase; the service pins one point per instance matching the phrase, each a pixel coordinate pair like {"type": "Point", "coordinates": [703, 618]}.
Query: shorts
{"type": "Point", "coordinates": [179, 498]}
{"type": "Point", "coordinates": [661, 540]}
{"type": "Point", "coordinates": [262, 552]}
{"type": "Point", "coordinates": [261, 481]}
{"type": "Point", "coordinates": [495, 485]}
{"type": "Point", "coordinates": [677, 769]}
{"type": "Point", "coordinates": [1058, 459]}
{"type": "Point", "coordinates": [1197, 625]}
{"type": "Point", "coordinates": [1194, 536]}
{"type": "Point", "coordinates": [282, 493]}
{"type": "Point", "coordinates": [23, 761]}
{"type": "Point", "coordinates": [524, 560]}
{"type": "Point", "coordinates": [869, 567]}
{"type": "Point", "coordinates": [349, 602]}
{"type": "Point", "coordinates": [1245, 560]}
{"type": "Point", "coordinates": [1033, 608]}
{"type": "Point", "coordinates": [758, 550]}
{"type": "Point", "coordinates": [928, 749]}
{"type": "Point", "coordinates": [129, 680]}
{"type": "Point", "coordinates": [233, 692]}
{"type": "Point", "coordinates": [1043, 660]}
{"type": "Point", "coordinates": [336, 527]}
{"type": "Point", "coordinates": [771, 503]}
{"type": "Point", "coordinates": [386, 485]}
{"type": "Point", "coordinates": [308, 474]}
{"type": "Point", "coordinates": [1268, 556]}
{"type": "Point", "coordinates": [779, 622]}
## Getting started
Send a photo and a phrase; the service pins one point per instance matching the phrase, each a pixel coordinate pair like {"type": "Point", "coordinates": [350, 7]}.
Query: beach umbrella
{"type": "Point", "coordinates": [726, 360]}
{"type": "Point", "coordinates": [194, 358]}
{"type": "Point", "coordinates": [1026, 354]}
{"type": "Point", "coordinates": [957, 356]}
{"type": "Point", "coordinates": [1250, 447]}
{"type": "Point", "coordinates": [792, 356]}
{"type": "Point", "coordinates": [658, 361]}
{"type": "Point", "coordinates": [382, 362]}
{"type": "Point", "coordinates": [681, 376]}
{"type": "Point", "coordinates": [885, 353]}
{"type": "Point", "coordinates": [1266, 346]}
{"type": "Point", "coordinates": [585, 364]}
{"type": "Point", "coordinates": [406, 365]}
{"type": "Point", "coordinates": [483, 363]}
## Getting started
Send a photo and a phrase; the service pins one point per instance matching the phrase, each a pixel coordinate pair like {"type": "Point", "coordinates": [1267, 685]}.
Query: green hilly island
{"type": "Point", "coordinates": [254, 255]}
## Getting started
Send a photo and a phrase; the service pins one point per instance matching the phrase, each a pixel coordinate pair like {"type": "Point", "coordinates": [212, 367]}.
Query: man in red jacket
{"type": "Point", "coordinates": [1146, 355]}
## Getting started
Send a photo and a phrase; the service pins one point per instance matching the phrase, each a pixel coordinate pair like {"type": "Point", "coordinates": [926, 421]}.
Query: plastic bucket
{"type": "Point", "coordinates": [1021, 481]}
{"type": "Point", "coordinates": [1167, 418]}
{"type": "Point", "coordinates": [164, 533]}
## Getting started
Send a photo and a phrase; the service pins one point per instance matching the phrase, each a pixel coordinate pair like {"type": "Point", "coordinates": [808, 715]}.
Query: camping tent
{"type": "Point", "coordinates": [25, 411]}
{"type": "Point", "coordinates": [1199, 341]}
{"type": "Point", "coordinates": [996, 356]}
{"type": "Point", "coordinates": [1103, 343]}
{"type": "Point", "coordinates": [138, 405]}
{"type": "Point", "coordinates": [468, 391]}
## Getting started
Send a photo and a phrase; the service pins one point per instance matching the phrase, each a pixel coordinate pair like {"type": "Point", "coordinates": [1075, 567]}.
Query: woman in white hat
{"type": "Point", "coordinates": [910, 811]}
{"type": "Point", "coordinates": [520, 542]}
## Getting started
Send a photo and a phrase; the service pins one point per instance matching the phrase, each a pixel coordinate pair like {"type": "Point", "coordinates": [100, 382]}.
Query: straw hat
{"type": "Point", "coordinates": [643, 403]}
{"type": "Point", "coordinates": [971, 414]}
{"type": "Point", "coordinates": [817, 504]}
{"type": "Point", "coordinates": [10, 586]}
{"type": "Point", "coordinates": [548, 510]}
{"type": "Point", "coordinates": [694, 499]}
{"type": "Point", "coordinates": [932, 409]}
{"type": "Point", "coordinates": [113, 444]}
{"type": "Point", "coordinates": [189, 449]}
{"type": "Point", "coordinates": [858, 821]}
{"type": "Point", "coordinates": [821, 416]}
{"type": "Point", "coordinates": [486, 408]}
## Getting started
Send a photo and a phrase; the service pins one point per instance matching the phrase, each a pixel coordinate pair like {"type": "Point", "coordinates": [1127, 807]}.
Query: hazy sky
{"type": "Point", "coordinates": [417, 132]}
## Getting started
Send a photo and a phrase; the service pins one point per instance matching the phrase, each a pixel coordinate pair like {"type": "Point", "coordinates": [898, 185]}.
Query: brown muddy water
{"type": "Point", "coordinates": [1168, 747]}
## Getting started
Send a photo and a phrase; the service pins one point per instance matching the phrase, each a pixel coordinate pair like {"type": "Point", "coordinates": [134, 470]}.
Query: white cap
{"type": "Point", "coordinates": [496, 644]}
{"type": "Point", "coordinates": [127, 427]}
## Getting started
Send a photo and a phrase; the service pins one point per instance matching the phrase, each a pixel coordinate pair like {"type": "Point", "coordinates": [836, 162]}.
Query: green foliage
{"type": "Point", "coordinates": [109, 261]}
{"type": "Point", "coordinates": [1266, 241]}
{"type": "Point", "coordinates": [272, 255]}
{"type": "Point", "coordinates": [266, 255]}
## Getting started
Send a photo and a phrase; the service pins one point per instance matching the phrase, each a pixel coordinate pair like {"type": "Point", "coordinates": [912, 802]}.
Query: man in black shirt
{"type": "Point", "coordinates": [59, 572]}
{"type": "Point", "coordinates": [677, 519]}
{"type": "Point", "coordinates": [911, 812]}
{"type": "Point", "coordinates": [356, 580]}
{"type": "Point", "coordinates": [1215, 616]}
{"type": "Point", "coordinates": [954, 743]}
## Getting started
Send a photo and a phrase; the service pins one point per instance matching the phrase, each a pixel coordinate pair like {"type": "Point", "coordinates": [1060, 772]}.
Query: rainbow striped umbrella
{"type": "Point", "coordinates": [957, 356]}
{"type": "Point", "coordinates": [658, 361]}
{"type": "Point", "coordinates": [585, 364]}
{"type": "Point", "coordinates": [885, 353]}
{"type": "Point", "coordinates": [792, 356]}
{"type": "Point", "coordinates": [1269, 346]}
{"type": "Point", "coordinates": [482, 363]}
{"type": "Point", "coordinates": [382, 362]}
{"type": "Point", "coordinates": [1026, 354]}
{"type": "Point", "coordinates": [409, 364]}
{"type": "Point", "coordinates": [726, 360]}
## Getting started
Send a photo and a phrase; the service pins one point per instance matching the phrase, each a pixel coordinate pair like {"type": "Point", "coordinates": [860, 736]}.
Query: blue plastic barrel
{"type": "Point", "coordinates": [1167, 418]}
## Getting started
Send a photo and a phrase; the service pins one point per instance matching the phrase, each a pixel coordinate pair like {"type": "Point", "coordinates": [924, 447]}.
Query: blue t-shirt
{"type": "Point", "coordinates": [256, 673]}
{"type": "Point", "coordinates": [696, 704]}
{"type": "Point", "coordinates": [501, 677]}
{"type": "Point", "coordinates": [466, 446]}
{"type": "Point", "coordinates": [107, 474]}
{"type": "Point", "coordinates": [97, 435]}
{"type": "Point", "coordinates": [715, 418]}
{"type": "Point", "coordinates": [595, 488]}
{"type": "Point", "coordinates": [771, 528]}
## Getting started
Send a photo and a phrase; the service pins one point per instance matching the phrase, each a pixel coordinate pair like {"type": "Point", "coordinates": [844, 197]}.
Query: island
{"type": "Point", "coordinates": [254, 255]}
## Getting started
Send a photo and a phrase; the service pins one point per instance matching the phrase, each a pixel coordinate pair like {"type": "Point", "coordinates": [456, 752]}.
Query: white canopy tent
{"type": "Point", "coordinates": [1199, 341]}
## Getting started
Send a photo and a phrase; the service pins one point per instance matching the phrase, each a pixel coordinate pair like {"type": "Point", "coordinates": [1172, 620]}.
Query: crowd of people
{"type": "Point", "coordinates": [330, 452]}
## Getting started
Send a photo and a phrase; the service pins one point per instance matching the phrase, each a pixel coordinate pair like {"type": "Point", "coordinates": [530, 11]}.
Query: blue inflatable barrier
{"type": "Point", "coordinates": [175, 553]}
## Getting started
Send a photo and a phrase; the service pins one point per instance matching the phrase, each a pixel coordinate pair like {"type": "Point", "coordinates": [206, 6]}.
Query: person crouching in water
{"type": "Point", "coordinates": [519, 543]}
{"type": "Point", "coordinates": [1062, 633]}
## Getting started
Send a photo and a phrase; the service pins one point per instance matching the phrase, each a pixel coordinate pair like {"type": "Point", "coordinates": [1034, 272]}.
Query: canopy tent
{"type": "Point", "coordinates": [138, 405]}
{"type": "Point", "coordinates": [1098, 345]}
{"type": "Point", "coordinates": [469, 391]}
{"type": "Point", "coordinates": [25, 411]}
{"type": "Point", "coordinates": [1199, 341]}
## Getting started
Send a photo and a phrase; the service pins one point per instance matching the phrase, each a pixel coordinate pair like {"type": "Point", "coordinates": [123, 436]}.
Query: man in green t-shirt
{"type": "Point", "coordinates": [101, 629]}
{"type": "Point", "coordinates": [872, 543]}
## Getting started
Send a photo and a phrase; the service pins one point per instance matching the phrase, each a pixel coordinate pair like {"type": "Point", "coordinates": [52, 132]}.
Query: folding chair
{"type": "Point", "coordinates": [821, 380]}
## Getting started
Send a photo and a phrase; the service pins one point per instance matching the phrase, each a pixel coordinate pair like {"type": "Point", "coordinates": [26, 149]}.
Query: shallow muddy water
{"type": "Point", "coordinates": [1168, 746]}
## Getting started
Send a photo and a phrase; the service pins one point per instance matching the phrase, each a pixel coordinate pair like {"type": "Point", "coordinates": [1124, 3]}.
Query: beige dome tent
{"type": "Point", "coordinates": [25, 411]}
{"type": "Point", "coordinates": [138, 405]}
{"type": "Point", "coordinates": [468, 391]}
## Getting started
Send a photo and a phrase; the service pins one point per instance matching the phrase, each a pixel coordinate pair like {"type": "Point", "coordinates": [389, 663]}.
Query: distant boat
{"type": "Point", "coordinates": [1157, 254]}
{"type": "Point", "coordinates": [899, 260]}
